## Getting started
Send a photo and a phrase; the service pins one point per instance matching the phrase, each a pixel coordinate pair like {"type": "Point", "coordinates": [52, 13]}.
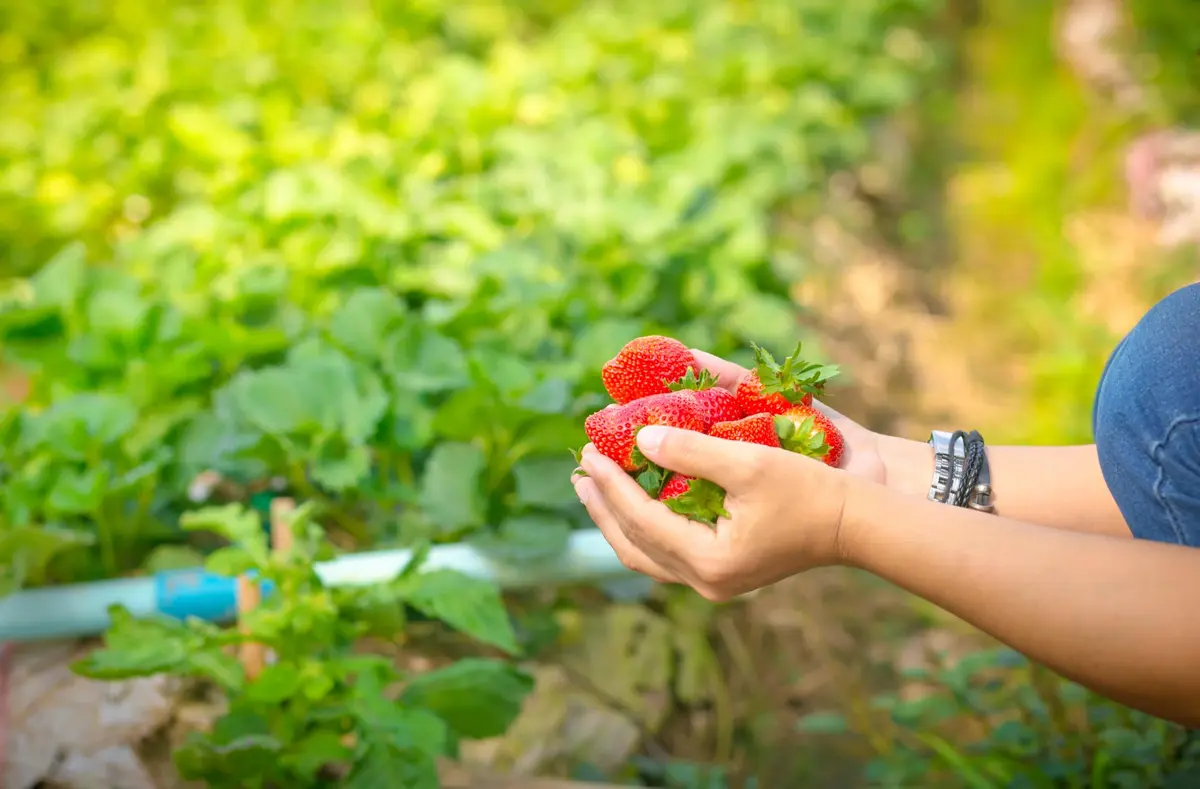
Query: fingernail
{"type": "Point", "coordinates": [581, 492]}
{"type": "Point", "coordinates": [650, 438]}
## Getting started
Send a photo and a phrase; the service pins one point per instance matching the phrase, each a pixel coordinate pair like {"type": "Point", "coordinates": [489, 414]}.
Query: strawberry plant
{"type": "Point", "coordinates": [322, 714]}
{"type": "Point", "coordinates": [377, 255]}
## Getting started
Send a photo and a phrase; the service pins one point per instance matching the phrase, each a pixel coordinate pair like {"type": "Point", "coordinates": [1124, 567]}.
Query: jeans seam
{"type": "Point", "coordinates": [1173, 517]}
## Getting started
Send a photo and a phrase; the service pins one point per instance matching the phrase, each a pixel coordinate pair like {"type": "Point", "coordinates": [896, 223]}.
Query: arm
{"type": "Point", "coordinates": [1108, 613]}
{"type": "Point", "coordinates": [1060, 487]}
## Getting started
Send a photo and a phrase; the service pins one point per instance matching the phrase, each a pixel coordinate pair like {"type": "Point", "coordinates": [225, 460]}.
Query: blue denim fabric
{"type": "Point", "coordinates": [1147, 422]}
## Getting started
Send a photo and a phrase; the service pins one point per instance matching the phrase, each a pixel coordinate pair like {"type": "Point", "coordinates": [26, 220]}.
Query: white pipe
{"type": "Point", "coordinates": [82, 609]}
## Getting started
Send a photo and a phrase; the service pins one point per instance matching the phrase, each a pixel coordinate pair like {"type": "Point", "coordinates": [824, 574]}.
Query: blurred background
{"type": "Point", "coordinates": [435, 221]}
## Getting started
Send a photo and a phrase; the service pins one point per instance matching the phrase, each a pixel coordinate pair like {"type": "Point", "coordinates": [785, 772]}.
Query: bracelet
{"type": "Point", "coordinates": [961, 474]}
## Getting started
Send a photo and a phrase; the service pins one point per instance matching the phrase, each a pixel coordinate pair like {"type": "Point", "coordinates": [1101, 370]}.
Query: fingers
{"type": "Point", "coordinates": [730, 464]}
{"type": "Point", "coordinates": [671, 541]}
{"type": "Point", "coordinates": [631, 556]}
{"type": "Point", "coordinates": [728, 374]}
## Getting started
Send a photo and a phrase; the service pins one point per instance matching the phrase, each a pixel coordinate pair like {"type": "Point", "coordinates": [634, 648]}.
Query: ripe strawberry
{"type": "Point", "coordinates": [756, 429]}
{"type": "Point", "coordinates": [613, 429]}
{"type": "Point", "coordinates": [677, 485]}
{"type": "Point", "coordinates": [813, 435]}
{"type": "Point", "coordinates": [772, 388]}
{"type": "Point", "coordinates": [696, 499]}
{"type": "Point", "coordinates": [720, 403]}
{"type": "Point", "coordinates": [644, 367]}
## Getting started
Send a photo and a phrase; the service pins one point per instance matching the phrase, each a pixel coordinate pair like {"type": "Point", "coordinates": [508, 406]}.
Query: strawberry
{"type": "Point", "coordinates": [644, 367]}
{"type": "Point", "coordinates": [720, 403]}
{"type": "Point", "coordinates": [813, 435]}
{"type": "Point", "coordinates": [756, 429]}
{"type": "Point", "coordinates": [677, 485]}
{"type": "Point", "coordinates": [696, 499]}
{"type": "Point", "coordinates": [773, 388]}
{"type": "Point", "coordinates": [613, 429]}
{"type": "Point", "coordinates": [803, 429]}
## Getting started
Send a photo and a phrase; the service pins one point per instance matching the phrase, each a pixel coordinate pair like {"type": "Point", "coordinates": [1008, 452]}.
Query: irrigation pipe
{"type": "Point", "coordinates": [82, 609]}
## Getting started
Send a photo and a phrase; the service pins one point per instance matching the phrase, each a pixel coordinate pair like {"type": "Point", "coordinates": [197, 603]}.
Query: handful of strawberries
{"type": "Point", "coordinates": [658, 381]}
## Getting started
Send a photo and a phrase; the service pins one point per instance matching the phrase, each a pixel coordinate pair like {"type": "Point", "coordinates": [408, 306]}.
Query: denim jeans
{"type": "Point", "coordinates": [1147, 422]}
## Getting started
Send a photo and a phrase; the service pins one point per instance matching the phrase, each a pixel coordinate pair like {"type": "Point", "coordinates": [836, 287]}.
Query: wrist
{"type": "Point", "coordinates": [907, 465]}
{"type": "Point", "coordinates": [864, 505]}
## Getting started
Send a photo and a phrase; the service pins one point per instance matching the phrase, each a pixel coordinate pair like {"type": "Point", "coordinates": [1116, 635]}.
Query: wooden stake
{"type": "Point", "coordinates": [249, 597]}
{"type": "Point", "coordinates": [249, 594]}
{"type": "Point", "coordinates": [281, 524]}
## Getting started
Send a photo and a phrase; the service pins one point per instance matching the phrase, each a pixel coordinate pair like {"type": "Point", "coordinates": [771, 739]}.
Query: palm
{"type": "Point", "coordinates": [861, 457]}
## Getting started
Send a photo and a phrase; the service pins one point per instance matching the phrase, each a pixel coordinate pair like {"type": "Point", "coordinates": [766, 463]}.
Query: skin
{"type": "Point", "coordinates": [1054, 575]}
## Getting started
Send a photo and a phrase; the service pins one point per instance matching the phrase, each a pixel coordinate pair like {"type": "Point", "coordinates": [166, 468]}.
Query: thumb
{"type": "Point", "coordinates": [729, 464]}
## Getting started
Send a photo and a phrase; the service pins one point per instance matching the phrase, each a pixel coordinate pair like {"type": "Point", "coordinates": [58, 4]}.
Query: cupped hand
{"type": "Point", "coordinates": [861, 456]}
{"type": "Point", "coordinates": [784, 511]}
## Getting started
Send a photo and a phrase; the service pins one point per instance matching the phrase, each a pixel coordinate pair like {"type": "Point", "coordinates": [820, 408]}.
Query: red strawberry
{"type": "Point", "coordinates": [814, 435]}
{"type": "Point", "coordinates": [677, 485]}
{"type": "Point", "coordinates": [644, 367]}
{"type": "Point", "coordinates": [756, 429]}
{"type": "Point", "coordinates": [772, 388]}
{"type": "Point", "coordinates": [721, 405]}
{"type": "Point", "coordinates": [613, 428]}
{"type": "Point", "coordinates": [696, 499]}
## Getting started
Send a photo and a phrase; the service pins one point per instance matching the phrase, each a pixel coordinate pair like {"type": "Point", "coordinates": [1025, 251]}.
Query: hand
{"type": "Point", "coordinates": [861, 457]}
{"type": "Point", "coordinates": [785, 513]}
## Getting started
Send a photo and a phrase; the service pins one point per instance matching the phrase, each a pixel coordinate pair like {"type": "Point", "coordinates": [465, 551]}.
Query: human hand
{"type": "Point", "coordinates": [861, 456]}
{"type": "Point", "coordinates": [784, 510]}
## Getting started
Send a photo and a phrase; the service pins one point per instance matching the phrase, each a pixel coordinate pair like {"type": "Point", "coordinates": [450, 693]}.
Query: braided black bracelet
{"type": "Point", "coordinates": [973, 456]}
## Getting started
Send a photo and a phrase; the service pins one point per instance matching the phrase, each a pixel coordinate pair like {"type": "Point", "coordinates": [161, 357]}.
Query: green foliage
{"type": "Point", "coordinates": [1166, 32]}
{"type": "Point", "coordinates": [996, 721]}
{"type": "Point", "coordinates": [381, 251]}
{"type": "Point", "coordinates": [322, 710]}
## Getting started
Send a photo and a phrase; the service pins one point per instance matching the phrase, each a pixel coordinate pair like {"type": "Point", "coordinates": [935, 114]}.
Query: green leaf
{"type": "Point", "coordinates": [77, 491]}
{"type": "Point", "coordinates": [477, 698]}
{"type": "Point", "coordinates": [362, 324]}
{"type": "Point", "coordinates": [339, 466]}
{"type": "Point", "coordinates": [241, 526]}
{"type": "Point", "coordinates": [253, 756]}
{"type": "Point", "coordinates": [315, 394]}
{"type": "Point", "coordinates": [75, 426]}
{"type": "Point", "coordinates": [26, 552]}
{"type": "Point", "coordinates": [277, 683]}
{"type": "Point", "coordinates": [551, 396]}
{"type": "Point", "coordinates": [704, 501]}
{"type": "Point", "coordinates": [165, 558]}
{"type": "Point", "coordinates": [823, 723]}
{"type": "Point", "coordinates": [231, 561]}
{"type": "Point", "coordinates": [450, 493]}
{"type": "Point", "coordinates": [420, 359]}
{"type": "Point", "coordinates": [545, 481]}
{"type": "Point", "coordinates": [383, 765]}
{"type": "Point", "coordinates": [467, 604]}
{"type": "Point", "coordinates": [114, 311]}
{"type": "Point", "coordinates": [137, 648]}
{"type": "Point", "coordinates": [402, 743]}
{"type": "Point", "coordinates": [315, 750]}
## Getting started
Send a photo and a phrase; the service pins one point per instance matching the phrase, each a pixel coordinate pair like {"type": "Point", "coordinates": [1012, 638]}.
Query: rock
{"type": "Point", "coordinates": [70, 732]}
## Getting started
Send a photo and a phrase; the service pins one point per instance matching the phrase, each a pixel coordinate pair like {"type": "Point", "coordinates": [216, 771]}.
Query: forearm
{"type": "Point", "coordinates": [1108, 613]}
{"type": "Point", "coordinates": [1060, 487]}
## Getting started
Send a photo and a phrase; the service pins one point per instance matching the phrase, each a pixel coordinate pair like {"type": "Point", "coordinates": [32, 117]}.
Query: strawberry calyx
{"type": "Point", "coordinates": [650, 476]}
{"type": "Point", "coordinates": [795, 379]}
{"type": "Point", "coordinates": [578, 455]}
{"type": "Point", "coordinates": [703, 501]}
{"type": "Point", "coordinates": [803, 437]}
{"type": "Point", "coordinates": [705, 380]}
